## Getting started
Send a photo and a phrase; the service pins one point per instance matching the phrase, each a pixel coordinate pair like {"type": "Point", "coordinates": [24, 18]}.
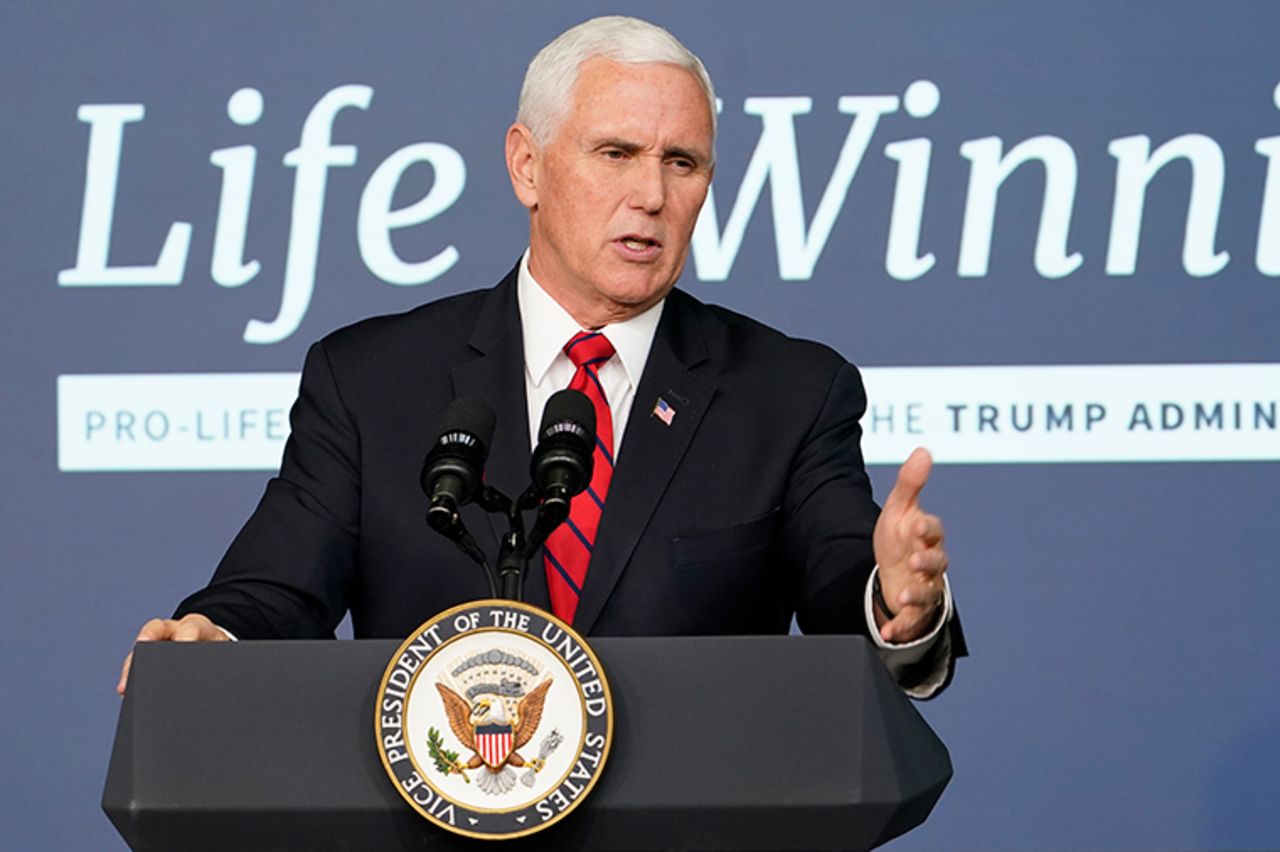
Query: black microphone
{"type": "Point", "coordinates": [562, 461]}
{"type": "Point", "coordinates": [454, 467]}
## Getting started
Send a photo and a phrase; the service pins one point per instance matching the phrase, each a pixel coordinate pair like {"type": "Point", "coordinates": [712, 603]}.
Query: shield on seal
{"type": "Point", "coordinates": [493, 743]}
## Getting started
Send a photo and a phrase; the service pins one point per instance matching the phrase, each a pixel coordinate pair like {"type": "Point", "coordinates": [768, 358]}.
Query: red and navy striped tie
{"type": "Point", "coordinates": [568, 548]}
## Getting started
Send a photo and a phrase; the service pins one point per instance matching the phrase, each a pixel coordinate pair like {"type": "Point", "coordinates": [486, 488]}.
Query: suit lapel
{"type": "Point", "coordinates": [496, 375]}
{"type": "Point", "coordinates": [651, 450]}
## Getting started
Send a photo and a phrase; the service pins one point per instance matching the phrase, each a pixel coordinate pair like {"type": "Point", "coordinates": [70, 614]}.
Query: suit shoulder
{"type": "Point", "coordinates": [742, 338]}
{"type": "Point", "coordinates": [443, 322]}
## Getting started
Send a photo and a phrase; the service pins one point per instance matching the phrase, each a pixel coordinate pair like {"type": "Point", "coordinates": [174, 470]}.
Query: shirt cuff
{"type": "Point", "coordinates": [225, 632]}
{"type": "Point", "coordinates": [900, 656]}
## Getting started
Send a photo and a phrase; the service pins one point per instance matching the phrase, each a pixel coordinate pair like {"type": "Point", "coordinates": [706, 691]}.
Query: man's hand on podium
{"type": "Point", "coordinates": [189, 628]}
{"type": "Point", "coordinates": [911, 556]}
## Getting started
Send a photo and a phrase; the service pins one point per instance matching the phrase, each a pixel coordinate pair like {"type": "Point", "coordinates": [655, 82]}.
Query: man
{"type": "Point", "coordinates": [738, 496]}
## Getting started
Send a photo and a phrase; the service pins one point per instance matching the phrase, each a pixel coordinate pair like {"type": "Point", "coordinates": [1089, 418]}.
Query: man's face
{"type": "Point", "coordinates": [614, 196]}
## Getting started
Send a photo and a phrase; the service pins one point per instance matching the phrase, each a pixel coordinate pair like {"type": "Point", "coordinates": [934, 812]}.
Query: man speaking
{"type": "Point", "coordinates": [728, 492]}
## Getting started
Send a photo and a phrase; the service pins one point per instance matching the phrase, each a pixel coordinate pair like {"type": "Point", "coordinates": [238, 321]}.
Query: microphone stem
{"type": "Point", "coordinates": [511, 564]}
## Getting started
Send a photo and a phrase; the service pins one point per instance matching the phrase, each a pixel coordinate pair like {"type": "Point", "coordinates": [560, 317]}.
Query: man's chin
{"type": "Point", "coordinates": [637, 284]}
{"type": "Point", "coordinates": [640, 297]}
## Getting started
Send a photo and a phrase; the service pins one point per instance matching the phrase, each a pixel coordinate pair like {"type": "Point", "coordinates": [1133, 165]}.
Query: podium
{"type": "Point", "coordinates": [720, 743]}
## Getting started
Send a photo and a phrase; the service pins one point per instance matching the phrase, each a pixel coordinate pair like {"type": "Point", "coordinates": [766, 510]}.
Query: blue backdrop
{"type": "Point", "coordinates": [1036, 184]}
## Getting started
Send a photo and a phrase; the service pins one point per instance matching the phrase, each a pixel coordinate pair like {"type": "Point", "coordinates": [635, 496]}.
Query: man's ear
{"type": "Point", "coordinates": [522, 156]}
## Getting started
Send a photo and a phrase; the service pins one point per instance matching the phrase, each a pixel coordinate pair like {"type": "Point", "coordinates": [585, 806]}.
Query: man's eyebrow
{"type": "Point", "coordinates": [630, 147]}
{"type": "Point", "coordinates": [621, 144]}
{"type": "Point", "coordinates": [686, 154]}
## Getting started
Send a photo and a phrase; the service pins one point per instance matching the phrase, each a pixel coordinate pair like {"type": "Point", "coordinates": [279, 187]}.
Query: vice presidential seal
{"type": "Point", "coordinates": [494, 719]}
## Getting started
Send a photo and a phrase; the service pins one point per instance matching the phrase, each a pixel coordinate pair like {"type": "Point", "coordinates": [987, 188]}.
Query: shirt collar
{"type": "Point", "coordinates": [547, 327]}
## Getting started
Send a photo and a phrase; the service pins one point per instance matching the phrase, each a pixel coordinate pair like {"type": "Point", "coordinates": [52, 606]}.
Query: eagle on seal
{"type": "Point", "coordinates": [492, 730]}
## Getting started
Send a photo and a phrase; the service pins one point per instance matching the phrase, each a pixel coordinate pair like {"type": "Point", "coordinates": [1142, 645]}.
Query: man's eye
{"type": "Point", "coordinates": [614, 154]}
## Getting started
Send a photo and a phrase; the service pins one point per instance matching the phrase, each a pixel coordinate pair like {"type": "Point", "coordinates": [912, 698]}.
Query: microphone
{"type": "Point", "coordinates": [453, 469]}
{"type": "Point", "coordinates": [563, 460]}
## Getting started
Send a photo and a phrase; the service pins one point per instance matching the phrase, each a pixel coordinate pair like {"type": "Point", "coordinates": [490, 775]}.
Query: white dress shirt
{"type": "Point", "coordinates": [548, 327]}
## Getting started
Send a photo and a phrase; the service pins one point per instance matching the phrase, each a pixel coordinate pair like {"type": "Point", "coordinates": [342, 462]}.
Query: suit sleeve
{"type": "Point", "coordinates": [287, 573]}
{"type": "Point", "coordinates": [831, 517]}
{"type": "Point", "coordinates": [829, 513]}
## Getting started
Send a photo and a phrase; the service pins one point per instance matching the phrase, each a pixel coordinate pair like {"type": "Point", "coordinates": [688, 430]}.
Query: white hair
{"type": "Point", "coordinates": [547, 93]}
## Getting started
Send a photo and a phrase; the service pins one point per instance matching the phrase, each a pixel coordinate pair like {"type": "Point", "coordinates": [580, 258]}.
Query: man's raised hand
{"type": "Point", "coordinates": [909, 550]}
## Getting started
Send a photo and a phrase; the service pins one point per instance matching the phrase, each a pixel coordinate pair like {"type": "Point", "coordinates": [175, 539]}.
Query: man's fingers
{"type": "Point", "coordinates": [912, 476]}
{"type": "Point", "coordinates": [189, 628]}
{"type": "Point", "coordinates": [924, 595]}
{"type": "Point", "coordinates": [917, 603]}
{"type": "Point", "coordinates": [902, 629]}
{"type": "Point", "coordinates": [192, 629]}
{"type": "Point", "coordinates": [157, 630]}
{"type": "Point", "coordinates": [912, 622]}
{"type": "Point", "coordinates": [928, 564]}
{"type": "Point", "coordinates": [928, 530]}
{"type": "Point", "coordinates": [124, 674]}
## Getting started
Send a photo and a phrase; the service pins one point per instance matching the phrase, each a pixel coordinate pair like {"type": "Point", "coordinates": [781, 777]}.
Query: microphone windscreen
{"type": "Point", "coordinates": [570, 405]}
{"type": "Point", "coordinates": [469, 414]}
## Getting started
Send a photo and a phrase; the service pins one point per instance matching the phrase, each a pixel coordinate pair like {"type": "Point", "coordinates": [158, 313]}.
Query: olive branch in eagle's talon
{"type": "Point", "coordinates": [446, 761]}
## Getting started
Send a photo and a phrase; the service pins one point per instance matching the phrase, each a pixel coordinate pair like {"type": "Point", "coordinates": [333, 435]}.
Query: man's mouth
{"type": "Point", "coordinates": [638, 243]}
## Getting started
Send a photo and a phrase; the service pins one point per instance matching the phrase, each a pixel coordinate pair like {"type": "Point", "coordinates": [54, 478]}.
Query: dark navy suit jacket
{"type": "Point", "coordinates": [751, 506]}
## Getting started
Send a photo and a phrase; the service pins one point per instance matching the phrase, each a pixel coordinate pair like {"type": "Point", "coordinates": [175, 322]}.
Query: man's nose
{"type": "Point", "coordinates": [648, 185]}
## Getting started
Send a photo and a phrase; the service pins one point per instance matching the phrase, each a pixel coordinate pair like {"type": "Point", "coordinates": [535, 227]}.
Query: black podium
{"type": "Point", "coordinates": [726, 743]}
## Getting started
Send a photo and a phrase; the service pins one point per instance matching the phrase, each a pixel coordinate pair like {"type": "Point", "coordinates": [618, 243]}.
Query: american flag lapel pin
{"type": "Point", "coordinates": [663, 411]}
